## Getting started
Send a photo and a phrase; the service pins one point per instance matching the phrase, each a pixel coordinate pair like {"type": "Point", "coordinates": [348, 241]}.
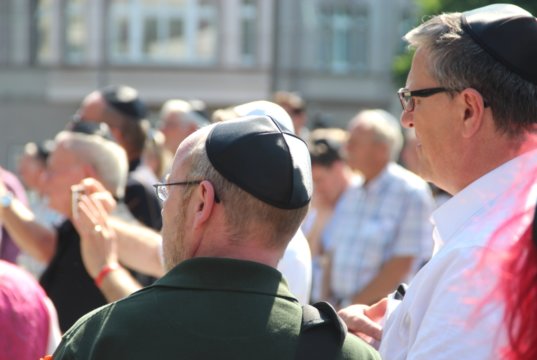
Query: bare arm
{"type": "Point", "coordinates": [30, 236]}
{"type": "Point", "coordinates": [138, 247]}
{"type": "Point", "coordinates": [98, 246]}
{"type": "Point", "coordinates": [390, 275]}
{"type": "Point", "coordinates": [118, 284]}
{"type": "Point", "coordinates": [323, 214]}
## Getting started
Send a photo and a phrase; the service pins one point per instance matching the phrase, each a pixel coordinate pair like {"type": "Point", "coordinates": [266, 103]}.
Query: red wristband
{"type": "Point", "coordinates": [107, 269]}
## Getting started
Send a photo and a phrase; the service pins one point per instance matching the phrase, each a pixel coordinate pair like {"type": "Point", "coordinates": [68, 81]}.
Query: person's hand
{"type": "Point", "coordinates": [98, 241]}
{"type": "Point", "coordinates": [98, 192]}
{"type": "Point", "coordinates": [3, 191]}
{"type": "Point", "coordinates": [364, 320]}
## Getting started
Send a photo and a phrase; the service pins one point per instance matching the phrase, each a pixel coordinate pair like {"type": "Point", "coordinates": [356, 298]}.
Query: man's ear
{"type": "Point", "coordinates": [204, 202]}
{"type": "Point", "coordinates": [474, 109]}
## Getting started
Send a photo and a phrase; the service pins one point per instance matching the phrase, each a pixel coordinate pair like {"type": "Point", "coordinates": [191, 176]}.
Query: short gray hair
{"type": "Point", "coordinates": [107, 158]}
{"type": "Point", "coordinates": [243, 211]}
{"type": "Point", "coordinates": [384, 126]}
{"type": "Point", "coordinates": [185, 110]}
{"type": "Point", "coordinates": [457, 63]}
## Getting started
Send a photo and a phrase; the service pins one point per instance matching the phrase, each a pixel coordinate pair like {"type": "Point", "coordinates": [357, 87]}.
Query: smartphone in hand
{"type": "Point", "coordinates": [76, 192]}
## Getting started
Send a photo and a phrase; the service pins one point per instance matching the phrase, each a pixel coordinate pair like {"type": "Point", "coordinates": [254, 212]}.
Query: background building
{"type": "Point", "coordinates": [336, 53]}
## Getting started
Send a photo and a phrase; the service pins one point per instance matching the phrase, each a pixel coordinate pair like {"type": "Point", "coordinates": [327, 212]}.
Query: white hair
{"type": "Point", "coordinates": [108, 159]}
{"type": "Point", "coordinates": [385, 127]}
{"type": "Point", "coordinates": [185, 111]}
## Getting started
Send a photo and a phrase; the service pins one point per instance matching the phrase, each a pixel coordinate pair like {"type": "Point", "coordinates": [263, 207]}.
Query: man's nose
{"type": "Point", "coordinates": [407, 119]}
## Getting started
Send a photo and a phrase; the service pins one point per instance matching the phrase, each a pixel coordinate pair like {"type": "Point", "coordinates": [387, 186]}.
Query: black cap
{"type": "Point", "coordinates": [44, 149]}
{"type": "Point", "coordinates": [508, 33]}
{"type": "Point", "coordinates": [263, 159]}
{"type": "Point", "coordinates": [89, 128]}
{"type": "Point", "coordinates": [125, 100]}
{"type": "Point", "coordinates": [325, 151]}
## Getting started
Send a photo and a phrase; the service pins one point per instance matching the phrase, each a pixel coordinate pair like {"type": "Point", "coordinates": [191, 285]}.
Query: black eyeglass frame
{"type": "Point", "coordinates": [181, 183]}
{"type": "Point", "coordinates": [409, 105]}
{"type": "Point", "coordinates": [404, 92]}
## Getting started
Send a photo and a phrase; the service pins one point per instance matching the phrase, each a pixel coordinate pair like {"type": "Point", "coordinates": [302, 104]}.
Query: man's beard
{"type": "Point", "coordinates": [174, 251]}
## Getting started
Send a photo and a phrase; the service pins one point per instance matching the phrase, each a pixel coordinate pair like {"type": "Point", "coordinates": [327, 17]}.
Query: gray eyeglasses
{"type": "Point", "coordinates": [163, 191]}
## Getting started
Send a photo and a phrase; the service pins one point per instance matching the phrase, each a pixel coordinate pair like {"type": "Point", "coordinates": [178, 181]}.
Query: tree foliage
{"type": "Point", "coordinates": [433, 7]}
{"type": "Point", "coordinates": [402, 62]}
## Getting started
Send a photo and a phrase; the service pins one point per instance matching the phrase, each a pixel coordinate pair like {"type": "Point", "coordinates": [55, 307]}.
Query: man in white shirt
{"type": "Point", "coordinates": [470, 95]}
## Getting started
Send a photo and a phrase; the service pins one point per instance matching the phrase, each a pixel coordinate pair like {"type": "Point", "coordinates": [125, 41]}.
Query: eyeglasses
{"type": "Point", "coordinates": [163, 192]}
{"type": "Point", "coordinates": [406, 97]}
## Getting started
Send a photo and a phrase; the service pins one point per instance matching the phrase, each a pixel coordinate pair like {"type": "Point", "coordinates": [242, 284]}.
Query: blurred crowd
{"type": "Point", "coordinates": [82, 219]}
{"type": "Point", "coordinates": [366, 231]}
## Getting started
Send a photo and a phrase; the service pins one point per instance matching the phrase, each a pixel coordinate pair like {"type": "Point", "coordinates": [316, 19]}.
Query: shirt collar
{"type": "Point", "coordinates": [377, 183]}
{"type": "Point", "coordinates": [227, 275]}
{"type": "Point", "coordinates": [508, 180]}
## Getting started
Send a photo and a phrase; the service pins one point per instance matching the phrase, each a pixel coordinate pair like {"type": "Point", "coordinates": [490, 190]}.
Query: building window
{"type": "Point", "coordinates": [75, 38]}
{"type": "Point", "coordinates": [248, 15]}
{"type": "Point", "coordinates": [343, 45]}
{"type": "Point", "coordinates": [164, 31]}
{"type": "Point", "coordinates": [44, 31]}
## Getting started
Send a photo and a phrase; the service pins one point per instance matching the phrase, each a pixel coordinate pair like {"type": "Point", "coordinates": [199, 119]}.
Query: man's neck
{"type": "Point", "coordinates": [484, 160]}
{"type": "Point", "coordinates": [373, 173]}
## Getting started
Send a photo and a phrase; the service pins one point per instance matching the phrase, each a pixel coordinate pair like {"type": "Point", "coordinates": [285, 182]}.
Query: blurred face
{"type": "Point", "coordinates": [434, 120]}
{"type": "Point", "coordinates": [64, 169]}
{"type": "Point", "coordinates": [30, 170]}
{"type": "Point", "coordinates": [175, 222]}
{"type": "Point", "coordinates": [297, 116]}
{"type": "Point", "coordinates": [326, 182]}
{"type": "Point", "coordinates": [174, 132]}
{"type": "Point", "coordinates": [363, 150]}
{"type": "Point", "coordinates": [92, 107]}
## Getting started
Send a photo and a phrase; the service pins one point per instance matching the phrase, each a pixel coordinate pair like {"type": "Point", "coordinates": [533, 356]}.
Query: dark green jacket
{"type": "Point", "coordinates": [205, 308]}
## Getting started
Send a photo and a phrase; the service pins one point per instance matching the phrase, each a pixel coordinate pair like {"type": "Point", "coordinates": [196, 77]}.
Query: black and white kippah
{"type": "Point", "coordinates": [508, 33]}
{"type": "Point", "coordinates": [262, 158]}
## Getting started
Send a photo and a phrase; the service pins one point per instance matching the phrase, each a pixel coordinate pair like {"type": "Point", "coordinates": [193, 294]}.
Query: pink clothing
{"type": "Point", "coordinates": [8, 250]}
{"type": "Point", "coordinates": [24, 316]}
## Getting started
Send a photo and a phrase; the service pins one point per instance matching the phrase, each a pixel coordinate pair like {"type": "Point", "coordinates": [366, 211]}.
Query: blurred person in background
{"type": "Point", "coordinates": [295, 106]}
{"type": "Point", "coordinates": [333, 186]}
{"type": "Point", "coordinates": [12, 189]}
{"type": "Point", "coordinates": [178, 119]}
{"type": "Point", "coordinates": [75, 157]}
{"type": "Point", "coordinates": [384, 235]}
{"type": "Point", "coordinates": [122, 109]}
{"type": "Point", "coordinates": [31, 167]}
{"type": "Point", "coordinates": [28, 321]}
{"type": "Point", "coordinates": [155, 155]}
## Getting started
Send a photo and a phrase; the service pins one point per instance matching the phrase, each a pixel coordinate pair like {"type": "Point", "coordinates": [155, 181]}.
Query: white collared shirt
{"type": "Point", "coordinates": [450, 310]}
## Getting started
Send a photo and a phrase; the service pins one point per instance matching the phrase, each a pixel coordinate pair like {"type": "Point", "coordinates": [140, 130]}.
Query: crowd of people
{"type": "Point", "coordinates": [246, 235]}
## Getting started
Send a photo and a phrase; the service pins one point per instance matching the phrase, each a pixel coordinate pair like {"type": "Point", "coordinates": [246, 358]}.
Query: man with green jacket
{"type": "Point", "coordinates": [236, 194]}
